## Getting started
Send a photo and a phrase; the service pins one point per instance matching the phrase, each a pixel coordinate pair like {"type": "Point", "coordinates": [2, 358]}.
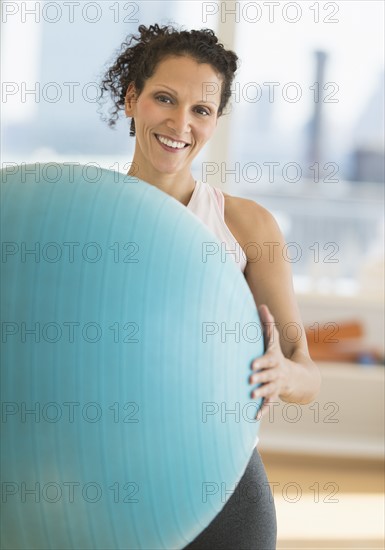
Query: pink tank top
{"type": "Point", "coordinates": [208, 204]}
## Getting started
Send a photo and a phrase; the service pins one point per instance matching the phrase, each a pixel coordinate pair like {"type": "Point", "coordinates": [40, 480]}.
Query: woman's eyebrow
{"type": "Point", "coordinates": [176, 93]}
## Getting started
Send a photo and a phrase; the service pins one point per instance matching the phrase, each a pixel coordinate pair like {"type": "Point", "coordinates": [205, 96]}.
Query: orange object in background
{"type": "Point", "coordinates": [341, 342]}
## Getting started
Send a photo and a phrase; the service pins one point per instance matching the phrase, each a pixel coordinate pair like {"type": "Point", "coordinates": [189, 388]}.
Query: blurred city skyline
{"type": "Point", "coordinates": [275, 126]}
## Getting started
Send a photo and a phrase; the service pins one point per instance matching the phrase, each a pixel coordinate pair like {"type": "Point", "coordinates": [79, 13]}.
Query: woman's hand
{"type": "Point", "coordinates": [271, 369]}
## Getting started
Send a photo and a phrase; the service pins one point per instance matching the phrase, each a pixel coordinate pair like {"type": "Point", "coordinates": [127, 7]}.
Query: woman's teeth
{"type": "Point", "coordinates": [169, 143]}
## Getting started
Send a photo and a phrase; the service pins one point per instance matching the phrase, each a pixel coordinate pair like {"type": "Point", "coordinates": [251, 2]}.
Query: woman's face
{"type": "Point", "coordinates": [175, 115]}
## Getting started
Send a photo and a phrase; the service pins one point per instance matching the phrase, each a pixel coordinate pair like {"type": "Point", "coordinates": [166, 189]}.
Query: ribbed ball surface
{"type": "Point", "coordinates": [141, 405]}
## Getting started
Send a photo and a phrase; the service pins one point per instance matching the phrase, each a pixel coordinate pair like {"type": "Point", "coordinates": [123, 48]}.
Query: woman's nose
{"type": "Point", "coordinates": [180, 121]}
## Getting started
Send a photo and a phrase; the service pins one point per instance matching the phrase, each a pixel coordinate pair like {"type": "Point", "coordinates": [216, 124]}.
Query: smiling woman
{"type": "Point", "coordinates": [172, 117]}
{"type": "Point", "coordinates": [175, 85]}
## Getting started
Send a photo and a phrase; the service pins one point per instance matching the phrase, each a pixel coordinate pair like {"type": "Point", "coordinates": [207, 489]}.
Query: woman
{"type": "Point", "coordinates": [162, 79]}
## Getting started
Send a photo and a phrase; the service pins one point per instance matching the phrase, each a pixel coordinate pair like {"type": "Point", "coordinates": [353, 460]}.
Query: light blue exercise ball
{"type": "Point", "coordinates": [127, 339]}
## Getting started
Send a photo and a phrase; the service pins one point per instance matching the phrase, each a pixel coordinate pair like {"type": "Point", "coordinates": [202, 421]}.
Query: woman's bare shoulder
{"type": "Point", "coordinates": [248, 218]}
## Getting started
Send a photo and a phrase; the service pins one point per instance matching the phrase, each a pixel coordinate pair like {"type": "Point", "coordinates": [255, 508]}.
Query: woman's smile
{"type": "Point", "coordinates": [170, 144]}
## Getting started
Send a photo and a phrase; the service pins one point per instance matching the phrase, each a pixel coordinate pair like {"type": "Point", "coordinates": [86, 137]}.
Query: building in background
{"type": "Point", "coordinates": [368, 157]}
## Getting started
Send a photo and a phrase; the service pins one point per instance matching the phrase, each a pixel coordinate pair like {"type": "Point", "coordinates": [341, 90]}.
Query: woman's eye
{"type": "Point", "coordinates": [203, 111]}
{"type": "Point", "coordinates": [163, 98]}
{"type": "Point", "coordinates": [167, 100]}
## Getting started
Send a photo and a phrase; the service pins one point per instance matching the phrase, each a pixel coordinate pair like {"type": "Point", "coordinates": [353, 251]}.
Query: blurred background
{"type": "Point", "coordinates": [304, 137]}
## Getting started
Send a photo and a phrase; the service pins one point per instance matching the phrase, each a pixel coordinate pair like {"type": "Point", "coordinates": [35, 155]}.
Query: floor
{"type": "Point", "coordinates": [327, 503]}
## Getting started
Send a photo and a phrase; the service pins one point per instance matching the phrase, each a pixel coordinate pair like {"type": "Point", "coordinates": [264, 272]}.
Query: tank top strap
{"type": "Point", "coordinates": [220, 200]}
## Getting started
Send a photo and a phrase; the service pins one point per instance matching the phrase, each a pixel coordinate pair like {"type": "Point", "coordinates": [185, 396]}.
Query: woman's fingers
{"type": "Point", "coordinates": [265, 362]}
{"type": "Point", "coordinates": [270, 332]}
{"type": "Point", "coordinates": [266, 321]}
{"type": "Point", "coordinates": [266, 380]}
{"type": "Point", "coordinates": [266, 390]}
{"type": "Point", "coordinates": [267, 369]}
{"type": "Point", "coordinates": [263, 377]}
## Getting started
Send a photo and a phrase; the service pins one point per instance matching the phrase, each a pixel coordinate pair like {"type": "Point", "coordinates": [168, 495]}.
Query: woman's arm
{"type": "Point", "coordinates": [286, 370]}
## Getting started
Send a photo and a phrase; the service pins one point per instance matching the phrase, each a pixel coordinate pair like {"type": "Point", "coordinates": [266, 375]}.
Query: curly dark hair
{"type": "Point", "coordinates": [140, 55]}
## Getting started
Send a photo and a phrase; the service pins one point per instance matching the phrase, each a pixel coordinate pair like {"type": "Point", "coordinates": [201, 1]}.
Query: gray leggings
{"type": "Point", "coordinates": [247, 521]}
